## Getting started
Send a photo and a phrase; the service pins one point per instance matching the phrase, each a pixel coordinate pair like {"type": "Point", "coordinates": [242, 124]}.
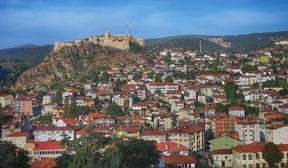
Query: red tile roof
{"type": "Point", "coordinates": [186, 129]}
{"type": "Point", "coordinates": [283, 106]}
{"type": "Point", "coordinates": [162, 84]}
{"type": "Point", "coordinates": [178, 159]}
{"type": "Point", "coordinates": [221, 152]}
{"type": "Point", "coordinates": [47, 145]}
{"type": "Point", "coordinates": [45, 163]}
{"type": "Point", "coordinates": [171, 146]}
{"type": "Point", "coordinates": [53, 128]}
{"type": "Point", "coordinates": [257, 147]}
{"type": "Point", "coordinates": [236, 108]}
{"type": "Point", "coordinates": [153, 132]}
{"type": "Point", "coordinates": [19, 134]}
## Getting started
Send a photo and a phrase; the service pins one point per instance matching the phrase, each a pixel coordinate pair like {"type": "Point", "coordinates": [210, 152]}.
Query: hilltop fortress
{"type": "Point", "coordinates": [122, 42]}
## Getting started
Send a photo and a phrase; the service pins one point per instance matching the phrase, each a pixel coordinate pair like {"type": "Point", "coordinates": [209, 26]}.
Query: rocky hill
{"type": "Point", "coordinates": [70, 62]}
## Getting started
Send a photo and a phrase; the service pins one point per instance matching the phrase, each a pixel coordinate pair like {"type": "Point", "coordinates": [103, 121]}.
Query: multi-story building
{"type": "Point", "coordinates": [161, 86]}
{"type": "Point", "coordinates": [53, 133]}
{"type": "Point", "coordinates": [224, 124]}
{"type": "Point", "coordinates": [236, 111]}
{"type": "Point", "coordinates": [189, 136]}
{"type": "Point", "coordinates": [277, 134]}
{"type": "Point", "coordinates": [23, 106]}
{"type": "Point", "coordinates": [248, 131]}
{"type": "Point", "coordinates": [157, 135]}
{"type": "Point", "coordinates": [6, 100]}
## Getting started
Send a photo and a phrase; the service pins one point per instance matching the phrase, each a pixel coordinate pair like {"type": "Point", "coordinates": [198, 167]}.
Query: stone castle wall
{"type": "Point", "coordinates": [121, 42]}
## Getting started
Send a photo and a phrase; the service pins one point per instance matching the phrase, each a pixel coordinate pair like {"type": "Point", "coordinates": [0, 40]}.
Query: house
{"type": "Point", "coordinates": [250, 155]}
{"type": "Point", "coordinates": [47, 149]}
{"type": "Point", "coordinates": [179, 161]}
{"type": "Point", "coordinates": [283, 108]}
{"type": "Point", "coordinates": [163, 121]}
{"type": "Point", "coordinates": [17, 138]}
{"type": "Point", "coordinates": [191, 136]}
{"type": "Point", "coordinates": [171, 148]}
{"type": "Point", "coordinates": [157, 135]}
{"type": "Point", "coordinates": [47, 99]}
{"type": "Point", "coordinates": [222, 158]}
{"type": "Point", "coordinates": [236, 111]}
{"type": "Point", "coordinates": [8, 129]}
{"type": "Point", "coordinates": [53, 133]}
{"type": "Point", "coordinates": [98, 119]}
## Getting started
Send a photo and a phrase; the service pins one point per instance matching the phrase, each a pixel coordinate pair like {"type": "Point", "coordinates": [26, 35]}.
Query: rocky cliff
{"type": "Point", "coordinates": [70, 62]}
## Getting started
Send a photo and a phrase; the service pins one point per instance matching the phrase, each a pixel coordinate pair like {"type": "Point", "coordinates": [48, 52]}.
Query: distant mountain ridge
{"type": "Point", "coordinates": [231, 43]}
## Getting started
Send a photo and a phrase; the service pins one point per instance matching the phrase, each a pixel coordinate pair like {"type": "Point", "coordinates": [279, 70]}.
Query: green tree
{"type": "Point", "coordinates": [114, 110]}
{"type": "Point", "coordinates": [104, 77]}
{"type": "Point", "coordinates": [221, 108]}
{"type": "Point", "coordinates": [158, 77]}
{"type": "Point", "coordinates": [137, 76]}
{"type": "Point", "coordinates": [72, 110]}
{"type": "Point", "coordinates": [57, 98]}
{"type": "Point", "coordinates": [272, 154]}
{"type": "Point", "coordinates": [39, 97]}
{"type": "Point", "coordinates": [151, 75]}
{"type": "Point", "coordinates": [12, 157]}
{"type": "Point", "coordinates": [138, 153]}
{"type": "Point", "coordinates": [97, 150]}
{"type": "Point", "coordinates": [167, 57]}
{"type": "Point", "coordinates": [252, 111]}
{"type": "Point", "coordinates": [169, 78]}
{"type": "Point", "coordinates": [45, 119]}
{"type": "Point", "coordinates": [231, 91]}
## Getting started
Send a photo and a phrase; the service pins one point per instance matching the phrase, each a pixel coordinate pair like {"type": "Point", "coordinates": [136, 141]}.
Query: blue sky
{"type": "Point", "coordinates": [45, 21]}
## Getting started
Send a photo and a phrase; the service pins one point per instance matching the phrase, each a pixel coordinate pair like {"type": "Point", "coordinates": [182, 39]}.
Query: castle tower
{"type": "Point", "coordinates": [106, 35]}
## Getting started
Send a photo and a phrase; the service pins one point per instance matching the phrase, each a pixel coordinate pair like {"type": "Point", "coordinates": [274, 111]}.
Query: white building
{"type": "Point", "coordinates": [248, 131]}
{"type": "Point", "coordinates": [162, 86]}
{"type": "Point", "coordinates": [236, 111]}
{"type": "Point", "coordinates": [53, 133]}
{"type": "Point", "coordinates": [277, 135]}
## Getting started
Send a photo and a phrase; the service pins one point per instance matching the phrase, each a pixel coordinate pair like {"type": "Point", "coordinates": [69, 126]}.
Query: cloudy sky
{"type": "Point", "coordinates": [45, 21]}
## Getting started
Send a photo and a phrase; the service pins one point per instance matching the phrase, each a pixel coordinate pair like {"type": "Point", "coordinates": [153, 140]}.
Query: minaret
{"type": "Point", "coordinates": [200, 47]}
{"type": "Point", "coordinates": [129, 28]}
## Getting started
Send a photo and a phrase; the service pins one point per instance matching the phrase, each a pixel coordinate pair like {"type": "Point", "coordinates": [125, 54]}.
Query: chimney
{"type": "Point", "coordinates": [166, 146]}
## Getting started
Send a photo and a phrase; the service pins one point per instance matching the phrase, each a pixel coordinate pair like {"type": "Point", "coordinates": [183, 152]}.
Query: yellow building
{"type": "Point", "coordinates": [264, 59]}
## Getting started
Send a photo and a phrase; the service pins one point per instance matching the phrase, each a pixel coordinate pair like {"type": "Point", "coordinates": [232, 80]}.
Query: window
{"type": "Point", "coordinates": [250, 157]}
{"type": "Point", "coordinates": [244, 157]}
{"type": "Point", "coordinates": [250, 165]}
{"type": "Point", "coordinates": [244, 165]}
{"type": "Point", "coordinates": [258, 165]}
{"type": "Point", "coordinates": [264, 165]}
{"type": "Point", "coordinates": [257, 156]}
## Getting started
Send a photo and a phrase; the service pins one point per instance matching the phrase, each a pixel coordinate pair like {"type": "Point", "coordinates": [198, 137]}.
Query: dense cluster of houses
{"type": "Point", "coordinates": [177, 114]}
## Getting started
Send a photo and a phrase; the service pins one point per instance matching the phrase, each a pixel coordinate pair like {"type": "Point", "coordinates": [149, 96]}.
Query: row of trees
{"type": "Point", "coordinates": [97, 150]}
